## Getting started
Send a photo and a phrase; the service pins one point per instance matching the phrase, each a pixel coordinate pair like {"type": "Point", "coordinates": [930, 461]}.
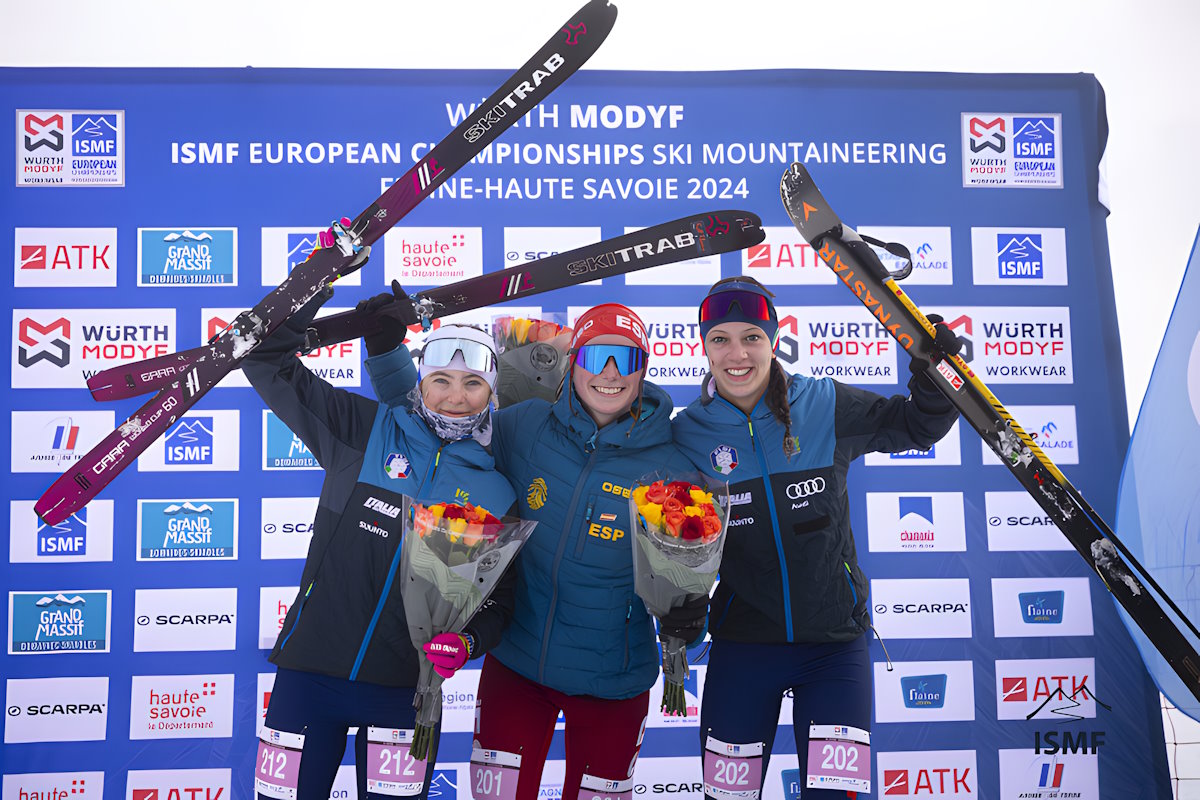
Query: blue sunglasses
{"type": "Point", "coordinates": [595, 357]}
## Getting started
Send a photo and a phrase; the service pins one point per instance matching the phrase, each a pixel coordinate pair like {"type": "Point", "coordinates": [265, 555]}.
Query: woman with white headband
{"type": "Point", "coordinates": [344, 656]}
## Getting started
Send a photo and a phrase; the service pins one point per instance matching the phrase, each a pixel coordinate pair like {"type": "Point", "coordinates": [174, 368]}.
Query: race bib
{"type": "Point", "coordinates": [391, 768]}
{"type": "Point", "coordinates": [593, 788]}
{"type": "Point", "coordinates": [277, 767]}
{"type": "Point", "coordinates": [494, 774]}
{"type": "Point", "coordinates": [839, 757]}
{"type": "Point", "coordinates": [732, 771]}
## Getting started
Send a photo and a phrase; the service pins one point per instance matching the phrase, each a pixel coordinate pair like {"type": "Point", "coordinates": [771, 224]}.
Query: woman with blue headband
{"type": "Point", "coordinates": [790, 611]}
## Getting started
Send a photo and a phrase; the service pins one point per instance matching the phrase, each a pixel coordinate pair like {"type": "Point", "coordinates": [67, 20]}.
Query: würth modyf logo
{"type": "Point", "coordinates": [46, 132]}
{"type": "Point", "coordinates": [988, 134]}
{"type": "Point", "coordinates": [50, 342]}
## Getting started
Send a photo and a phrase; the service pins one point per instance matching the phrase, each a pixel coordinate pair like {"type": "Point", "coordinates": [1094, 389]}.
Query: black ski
{"type": "Point", "coordinates": [860, 269]}
{"type": "Point", "coordinates": [566, 51]}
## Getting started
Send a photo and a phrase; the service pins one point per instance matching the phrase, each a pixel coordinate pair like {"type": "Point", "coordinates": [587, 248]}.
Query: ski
{"type": "Point", "coordinates": [704, 234]}
{"type": "Point", "coordinates": [568, 49]}
{"type": "Point", "coordinates": [859, 268]}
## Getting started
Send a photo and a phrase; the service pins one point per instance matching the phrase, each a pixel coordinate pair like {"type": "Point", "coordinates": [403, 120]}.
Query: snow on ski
{"type": "Point", "coordinates": [860, 269]}
{"type": "Point", "coordinates": [566, 51]}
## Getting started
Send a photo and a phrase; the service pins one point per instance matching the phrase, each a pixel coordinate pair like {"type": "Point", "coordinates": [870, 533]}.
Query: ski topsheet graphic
{"type": "Point", "coordinates": [704, 234]}
{"type": "Point", "coordinates": [860, 269]}
{"type": "Point", "coordinates": [570, 46]}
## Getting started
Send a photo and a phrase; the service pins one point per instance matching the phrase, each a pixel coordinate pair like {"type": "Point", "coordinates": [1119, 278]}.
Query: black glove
{"type": "Point", "coordinates": [391, 332]}
{"type": "Point", "coordinates": [945, 343]}
{"type": "Point", "coordinates": [687, 621]}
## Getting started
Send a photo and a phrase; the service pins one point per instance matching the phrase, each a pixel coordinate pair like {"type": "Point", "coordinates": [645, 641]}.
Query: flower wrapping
{"type": "Point", "coordinates": [533, 358]}
{"type": "Point", "coordinates": [679, 535]}
{"type": "Point", "coordinates": [452, 557]}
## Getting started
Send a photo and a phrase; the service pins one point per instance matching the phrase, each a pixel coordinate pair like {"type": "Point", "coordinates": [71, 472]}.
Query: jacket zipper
{"type": "Point", "coordinates": [391, 577]}
{"type": "Point", "coordinates": [628, 616]}
{"type": "Point", "coordinates": [299, 611]}
{"type": "Point", "coordinates": [783, 571]}
{"type": "Point", "coordinates": [587, 522]}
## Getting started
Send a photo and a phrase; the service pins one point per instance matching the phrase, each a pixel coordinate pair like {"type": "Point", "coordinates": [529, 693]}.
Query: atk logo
{"type": "Point", "coordinates": [53, 257]}
{"type": "Point", "coordinates": [397, 466]}
{"type": "Point", "coordinates": [178, 784]}
{"type": "Point", "coordinates": [187, 530]}
{"type": "Point", "coordinates": [58, 622]}
{"type": "Point", "coordinates": [724, 459]}
{"type": "Point", "coordinates": [1059, 689]}
{"type": "Point", "coordinates": [1042, 608]}
{"type": "Point", "coordinates": [181, 707]}
{"type": "Point", "coordinates": [187, 257]}
{"type": "Point", "coordinates": [928, 773]}
{"type": "Point", "coordinates": [432, 256]}
{"type": "Point", "coordinates": [283, 449]}
{"type": "Point", "coordinates": [988, 134]}
{"type": "Point", "coordinates": [785, 257]}
{"type": "Point", "coordinates": [924, 691]}
{"type": "Point", "coordinates": [50, 342]}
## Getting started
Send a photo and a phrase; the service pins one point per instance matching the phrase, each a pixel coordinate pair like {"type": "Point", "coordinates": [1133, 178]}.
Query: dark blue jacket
{"type": "Point", "coordinates": [348, 619]}
{"type": "Point", "coordinates": [789, 572]}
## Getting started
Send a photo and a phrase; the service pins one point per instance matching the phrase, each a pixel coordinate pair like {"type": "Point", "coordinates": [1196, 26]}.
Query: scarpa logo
{"type": "Point", "coordinates": [1042, 608]}
{"type": "Point", "coordinates": [924, 691]}
{"type": "Point", "coordinates": [187, 257]}
{"type": "Point", "coordinates": [173, 530]}
{"type": "Point", "coordinates": [60, 622]}
{"type": "Point", "coordinates": [283, 449]}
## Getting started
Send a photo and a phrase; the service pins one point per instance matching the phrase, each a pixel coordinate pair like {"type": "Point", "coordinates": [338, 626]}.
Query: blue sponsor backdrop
{"type": "Point", "coordinates": [228, 173]}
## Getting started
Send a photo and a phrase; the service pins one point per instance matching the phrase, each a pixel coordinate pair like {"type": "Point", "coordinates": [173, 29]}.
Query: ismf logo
{"type": "Point", "coordinates": [50, 342]}
{"type": "Point", "coordinates": [95, 135]}
{"type": "Point", "coordinates": [1042, 608]}
{"type": "Point", "coordinates": [443, 785]}
{"type": "Point", "coordinates": [1019, 255]}
{"type": "Point", "coordinates": [283, 449]}
{"type": "Point", "coordinates": [724, 459]}
{"type": "Point", "coordinates": [924, 691]}
{"type": "Point", "coordinates": [397, 466]}
{"type": "Point", "coordinates": [299, 247]}
{"type": "Point", "coordinates": [574, 30]}
{"type": "Point", "coordinates": [191, 530]}
{"type": "Point", "coordinates": [988, 134]}
{"type": "Point", "coordinates": [67, 538]}
{"type": "Point", "coordinates": [284, 249]}
{"type": "Point", "coordinates": [187, 257]}
{"type": "Point", "coordinates": [190, 441]}
{"type": "Point", "coordinates": [58, 622]}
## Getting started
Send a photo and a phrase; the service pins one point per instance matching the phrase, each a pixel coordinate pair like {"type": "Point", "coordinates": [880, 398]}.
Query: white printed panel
{"type": "Point", "coordinates": [841, 342]}
{"type": "Point", "coordinates": [1052, 428]}
{"type": "Point", "coordinates": [287, 526]}
{"type": "Point", "coordinates": [273, 605]}
{"type": "Point", "coordinates": [181, 707]}
{"type": "Point", "coordinates": [55, 710]}
{"type": "Point", "coordinates": [676, 352]}
{"type": "Point", "coordinates": [924, 691]}
{"type": "Point", "coordinates": [54, 786]}
{"type": "Point", "coordinates": [1016, 522]}
{"type": "Point", "coordinates": [932, 259]}
{"type": "Point", "coordinates": [86, 535]}
{"type": "Point", "coordinates": [266, 682]}
{"type": "Point", "coordinates": [784, 257]}
{"type": "Point", "coordinates": [432, 256]}
{"type": "Point", "coordinates": [693, 692]}
{"type": "Point", "coordinates": [1046, 688]}
{"type": "Point", "coordinates": [1042, 607]}
{"type": "Point", "coordinates": [283, 249]}
{"type": "Point", "coordinates": [916, 522]}
{"type": "Point", "coordinates": [522, 245]}
{"type": "Point", "coordinates": [458, 700]}
{"type": "Point", "coordinates": [59, 257]}
{"type": "Point", "coordinates": [682, 778]}
{"type": "Point", "coordinates": [338, 364]}
{"type": "Point", "coordinates": [1014, 344]}
{"type": "Point", "coordinates": [174, 784]}
{"type": "Point", "coordinates": [922, 608]}
{"type": "Point", "coordinates": [62, 348]}
{"type": "Point", "coordinates": [927, 773]}
{"type": "Point", "coordinates": [1024, 774]}
{"type": "Point", "coordinates": [51, 441]}
{"type": "Point", "coordinates": [1019, 256]}
{"type": "Point", "coordinates": [184, 620]}
{"type": "Point", "coordinates": [202, 441]}
{"type": "Point", "coordinates": [701, 271]}
{"type": "Point", "coordinates": [947, 452]}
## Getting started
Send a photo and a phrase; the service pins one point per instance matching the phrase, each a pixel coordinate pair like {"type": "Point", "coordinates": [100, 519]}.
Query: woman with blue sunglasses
{"type": "Point", "coordinates": [580, 641]}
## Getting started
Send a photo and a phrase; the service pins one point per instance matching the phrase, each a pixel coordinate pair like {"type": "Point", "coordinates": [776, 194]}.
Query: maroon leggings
{"type": "Point", "coordinates": [517, 715]}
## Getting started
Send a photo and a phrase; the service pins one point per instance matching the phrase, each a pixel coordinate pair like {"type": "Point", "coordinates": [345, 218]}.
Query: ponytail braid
{"type": "Point", "coordinates": [777, 402]}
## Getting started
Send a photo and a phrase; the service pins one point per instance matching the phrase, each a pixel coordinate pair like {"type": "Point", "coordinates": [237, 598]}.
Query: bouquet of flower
{"type": "Point", "coordinates": [533, 358]}
{"type": "Point", "coordinates": [679, 533]}
{"type": "Point", "coordinates": [452, 557]}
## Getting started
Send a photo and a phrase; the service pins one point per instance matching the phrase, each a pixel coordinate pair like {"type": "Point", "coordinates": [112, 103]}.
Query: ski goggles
{"type": "Point", "coordinates": [476, 357]}
{"type": "Point", "coordinates": [752, 306]}
{"type": "Point", "coordinates": [595, 357]}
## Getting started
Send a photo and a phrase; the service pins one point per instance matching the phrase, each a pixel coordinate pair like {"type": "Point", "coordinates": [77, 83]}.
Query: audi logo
{"type": "Point", "coordinates": [806, 488]}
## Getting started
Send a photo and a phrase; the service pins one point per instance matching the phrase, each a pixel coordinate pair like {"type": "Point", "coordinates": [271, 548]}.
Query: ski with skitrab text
{"type": "Point", "coordinates": [860, 269]}
{"type": "Point", "coordinates": [567, 50]}
{"type": "Point", "coordinates": [704, 234]}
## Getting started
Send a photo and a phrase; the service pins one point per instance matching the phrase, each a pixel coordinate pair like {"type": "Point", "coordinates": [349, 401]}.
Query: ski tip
{"type": "Point", "coordinates": [794, 178]}
{"type": "Point", "coordinates": [50, 513]}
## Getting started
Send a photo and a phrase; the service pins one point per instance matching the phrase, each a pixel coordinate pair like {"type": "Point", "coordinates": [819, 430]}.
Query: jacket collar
{"type": "Point", "coordinates": [653, 427]}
